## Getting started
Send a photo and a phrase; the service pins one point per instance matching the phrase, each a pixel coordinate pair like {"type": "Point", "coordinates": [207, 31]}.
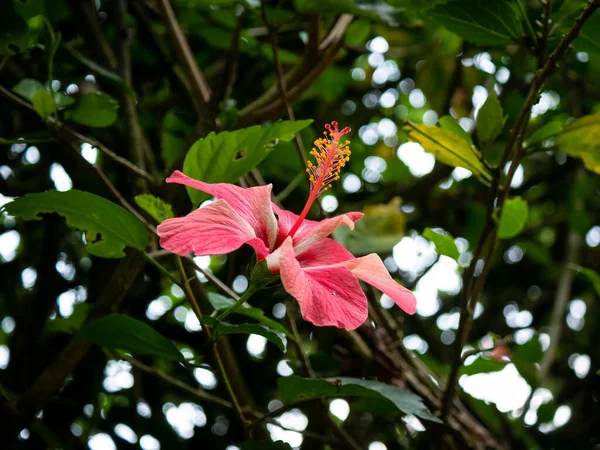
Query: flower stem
{"type": "Point", "coordinates": [240, 301]}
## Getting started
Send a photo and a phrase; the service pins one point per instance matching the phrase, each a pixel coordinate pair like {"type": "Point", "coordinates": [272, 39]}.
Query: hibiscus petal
{"type": "Point", "coordinates": [327, 295]}
{"type": "Point", "coordinates": [253, 204]}
{"type": "Point", "coordinates": [328, 252]}
{"type": "Point", "coordinates": [215, 229]}
{"type": "Point", "coordinates": [311, 231]}
{"type": "Point", "coordinates": [371, 270]}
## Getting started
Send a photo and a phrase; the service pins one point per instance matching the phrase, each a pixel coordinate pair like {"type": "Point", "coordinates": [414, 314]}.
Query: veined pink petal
{"type": "Point", "coordinates": [326, 253]}
{"type": "Point", "coordinates": [371, 270]}
{"type": "Point", "coordinates": [311, 231]}
{"type": "Point", "coordinates": [215, 229]}
{"type": "Point", "coordinates": [327, 295]}
{"type": "Point", "coordinates": [252, 204]}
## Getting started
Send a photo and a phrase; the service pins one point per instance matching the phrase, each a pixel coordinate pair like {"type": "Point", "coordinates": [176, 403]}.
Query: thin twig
{"type": "Point", "coordinates": [288, 105]}
{"type": "Point", "coordinates": [185, 285]}
{"type": "Point", "coordinates": [87, 18]}
{"type": "Point", "coordinates": [229, 387]}
{"type": "Point", "coordinates": [199, 86]}
{"type": "Point", "coordinates": [121, 199]}
{"type": "Point", "coordinates": [208, 274]}
{"type": "Point", "coordinates": [508, 340]}
{"type": "Point", "coordinates": [112, 188]}
{"type": "Point", "coordinates": [119, 159]}
{"type": "Point", "coordinates": [543, 42]}
{"type": "Point", "coordinates": [198, 393]}
{"type": "Point", "coordinates": [133, 131]}
{"type": "Point", "coordinates": [231, 64]}
{"type": "Point", "coordinates": [299, 78]}
{"type": "Point", "coordinates": [26, 141]}
{"type": "Point", "coordinates": [563, 293]}
{"type": "Point", "coordinates": [124, 162]}
{"type": "Point", "coordinates": [297, 342]}
{"type": "Point", "coordinates": [283, 90]}
{"type": "Point", "coordinates": [162, 269]}
{"type": "Point", "coordinates": [196, 308]}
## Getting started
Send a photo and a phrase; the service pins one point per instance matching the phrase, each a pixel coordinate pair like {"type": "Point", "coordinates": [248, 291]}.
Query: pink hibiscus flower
{"type": "Point", "coordinates": [316, 270]}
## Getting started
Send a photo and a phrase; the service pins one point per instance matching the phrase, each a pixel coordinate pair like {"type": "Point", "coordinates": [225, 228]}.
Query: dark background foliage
{"type": "Point", "coordinates": [109, 96]}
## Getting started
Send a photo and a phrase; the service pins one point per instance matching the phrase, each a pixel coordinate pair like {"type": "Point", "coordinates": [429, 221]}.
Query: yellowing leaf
{"type": "Point", "coordinates": [447, 147]}
{"type": "Point", "coordinates": [381, 227]}
{"type": "Point", "coordinates": [581, 139]}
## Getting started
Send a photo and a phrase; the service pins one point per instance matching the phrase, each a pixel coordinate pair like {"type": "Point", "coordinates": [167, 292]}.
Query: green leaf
{"type": "Point", "coordinates": [62, 100]}
{"type": "Point", "coordinates": [592, 276]}
{"type": "Point", "coordinates": [357, 32]}
{"type": "Point", "coordinates": [108, 227]}
{"type": "Point", "coordinates": [482, 365]}
{"type": "Point", "coordinates": [265, 445]}
{"type": "Point", "coordinates": [531, 351]}
{"type": "Point", "coordinates": [245, 328]}
{"type": "Point", "coordinates": [449, 123]}
{"type": "Point", "coordinates": [125, 333]}
{"type": "Point", "coordinates": [174, 133]}
{"type": "Point", "coordinates": [525, 356]}
{"type": "Point", "coordinates": [543, 133]}
{"type": "Point", "coordinates": [545, 413]}
{"type": "Point", "coordinates": [490, 120]}
{"type": "Point", "coordinates": [496, 23]}
{"type": "Point", "coordinates": [588, 39]}
{"type": "Point", "coordinates": [294, 389]}
{"type": "Point", "coordinates": [221, 303]}
{"type": "Point", "coordinates": [14, 32]}
{"type": "Point", "coordinates": [325, 364]}
{"type": "Point", "coordinates": [444, 243]}
{"type": "Point", "coordinates": [95, 109]}
{"type": "Point", "coordinates": [28, 88]}
{"type": "Point", "coordinates": [581, 139]}
{"type": "Point", "coordinates": [28, 9]}
{"type": "Point", "coordinates": [331, 85]}
{"type": "Point", "coordinates": [156, 207]}
{"type": "Point", "coordinates": [513, 219]}
{"type": "Point", "coordinates": [69, 324]}
{"type": "Point", "coordinates": [569, 9]}
{"type": "Point", "coordinates": [448, 148]}
{"type": "Point", "coordinates": [43, 103]}
{"type": "Point", "coordinates": [216, 158]}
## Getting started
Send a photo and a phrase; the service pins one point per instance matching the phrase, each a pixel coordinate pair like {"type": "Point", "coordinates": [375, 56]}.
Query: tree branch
{"type": "Point", "coordinates": [198, 85]}
{"type": "Point", "coordinates": [300, 78]}
{"type": "Point", "coordinates": [498, 197]}
{"type": "Point", "coordinates": [93, 32]}
{"type": "Point", "coordinates": [133, 131]}
{"type": "Point", "coordinates": [118, 159]}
